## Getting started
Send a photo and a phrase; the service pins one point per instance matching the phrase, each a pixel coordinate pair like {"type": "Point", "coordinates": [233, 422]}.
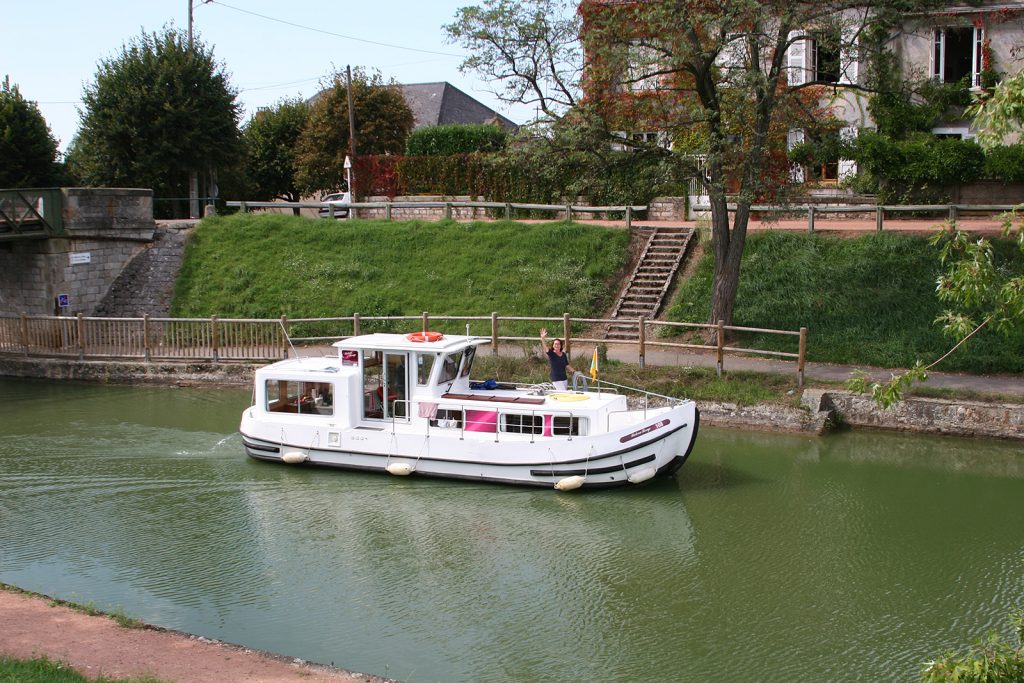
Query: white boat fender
{"type": "Point", "coordinates": [570, 483]}
{"type": "Point", "coordinates": [400, 469]}
{"type": "Point", "coordinates": [294, 457]}
{"type": "Point", "coordinates": [642, 475]}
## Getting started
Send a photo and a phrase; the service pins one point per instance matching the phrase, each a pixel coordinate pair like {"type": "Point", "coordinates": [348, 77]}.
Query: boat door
{"type": "Point", "coordinates": [385, 386]}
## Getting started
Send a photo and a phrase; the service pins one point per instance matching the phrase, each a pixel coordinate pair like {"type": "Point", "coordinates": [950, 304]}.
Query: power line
{"type": "Point", "coordinates": [329, 33]}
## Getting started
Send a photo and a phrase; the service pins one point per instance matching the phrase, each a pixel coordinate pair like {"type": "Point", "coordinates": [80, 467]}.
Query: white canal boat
{"type": "Point", "coordinates": [405, 405]}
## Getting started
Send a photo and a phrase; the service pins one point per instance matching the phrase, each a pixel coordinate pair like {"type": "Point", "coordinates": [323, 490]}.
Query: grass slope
{"type": "Point", "coordinates": [265, 266]}
{"type": "Point", "coordinates": [869, 301]}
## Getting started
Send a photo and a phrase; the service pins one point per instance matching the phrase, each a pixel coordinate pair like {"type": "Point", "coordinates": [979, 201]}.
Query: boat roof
{"type": "Point", "coordinates": [382, 341]}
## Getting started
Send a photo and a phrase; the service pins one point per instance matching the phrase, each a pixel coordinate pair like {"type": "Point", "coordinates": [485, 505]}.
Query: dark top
{"type": "Point", "coordinates": [558, 365]}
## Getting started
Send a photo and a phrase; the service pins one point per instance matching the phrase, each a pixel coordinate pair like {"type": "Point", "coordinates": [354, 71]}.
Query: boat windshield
{"type": "Point", "coordinates": [467, 363]}
{"type": "Point", "coordinates": [450, 367]}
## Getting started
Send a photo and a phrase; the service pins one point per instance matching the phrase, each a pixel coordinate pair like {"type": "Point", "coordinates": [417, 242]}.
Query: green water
{"type": "Point", "coordinates": [785, 558]}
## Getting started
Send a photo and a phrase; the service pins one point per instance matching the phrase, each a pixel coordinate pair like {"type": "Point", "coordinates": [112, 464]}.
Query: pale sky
{"type": "Point", "coordinates": [270, 50]}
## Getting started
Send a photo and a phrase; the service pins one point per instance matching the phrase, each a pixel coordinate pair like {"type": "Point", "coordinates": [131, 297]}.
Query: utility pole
{"type": "Point", "coordinates": [193, 176]}
{"type": "Point", "coordinates": [351, 130]}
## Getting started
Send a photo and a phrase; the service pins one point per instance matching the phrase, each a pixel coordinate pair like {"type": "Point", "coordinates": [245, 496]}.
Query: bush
{"type": "Point", "coordinates": [1005, 163]}
{"type": "Point", "coordinates": [991, 660]}
{"type": "Point", "coordinates": [455, 138]}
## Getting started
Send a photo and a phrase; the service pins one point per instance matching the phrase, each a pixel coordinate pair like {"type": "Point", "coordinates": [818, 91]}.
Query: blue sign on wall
{"type": "Point", "coordinates": [63, 300]}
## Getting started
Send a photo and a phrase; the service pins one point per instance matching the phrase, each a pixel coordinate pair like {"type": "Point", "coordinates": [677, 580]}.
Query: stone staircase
{"type": "Point", "coordinates": [646, 289]}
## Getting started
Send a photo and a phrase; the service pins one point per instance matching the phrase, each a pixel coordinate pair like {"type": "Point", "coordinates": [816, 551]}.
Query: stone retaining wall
{"type": "Point", "coordinates": [927, 415]}
{"type": "Point", "coordinates": [404, 213]}
{"type": "Point", "coordinates": [105, 229]}
{"type": "Point", "coordinates": [820, 409]}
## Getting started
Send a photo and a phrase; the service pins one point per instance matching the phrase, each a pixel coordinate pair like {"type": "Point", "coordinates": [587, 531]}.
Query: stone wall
{"type": "Point", "coordinates": [928, 415]}
{"type": "Point", "coordinates": [105, 228]}
{"type": "Point", "coordinates": [399, 212]}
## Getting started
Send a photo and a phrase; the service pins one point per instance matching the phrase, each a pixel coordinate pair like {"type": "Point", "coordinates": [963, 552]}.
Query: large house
{"type": "Point", "coordinates": [436, 104]}
{"type": "Point", "coordinates": [964, 42]}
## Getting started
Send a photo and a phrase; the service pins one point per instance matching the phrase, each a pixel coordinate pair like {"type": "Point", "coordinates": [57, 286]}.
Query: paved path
{"type": "Point", "coordinates": [991, 384]}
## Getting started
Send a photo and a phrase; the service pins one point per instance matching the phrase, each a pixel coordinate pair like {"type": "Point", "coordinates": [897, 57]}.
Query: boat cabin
{"type": "Point", "coordinates": [384, 378]}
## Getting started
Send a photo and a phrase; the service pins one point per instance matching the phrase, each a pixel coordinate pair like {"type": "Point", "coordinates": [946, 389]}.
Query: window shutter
{"type": "Point", "coordinates": [796, 59]}
{"type": "Point", "coordinates": [794, 138]}
{"type": "Point", "coordinates": [847, 167]}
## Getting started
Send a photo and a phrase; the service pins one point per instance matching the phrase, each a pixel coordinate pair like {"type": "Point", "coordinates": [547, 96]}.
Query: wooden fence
{"type": "Point", "coordinates": [225, 339]}
{"type": "Point", "coordinates": [951, 211]}
{"type": "Point", "coordinates": [505, 209]}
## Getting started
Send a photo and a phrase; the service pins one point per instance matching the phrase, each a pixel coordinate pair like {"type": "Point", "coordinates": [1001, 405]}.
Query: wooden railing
{"type": "Point", "coordinates": [223, 339]}
{"type": "Point", "coordinates": [506, 209]}
{"type": "Point", "coordinates": [951, 211]}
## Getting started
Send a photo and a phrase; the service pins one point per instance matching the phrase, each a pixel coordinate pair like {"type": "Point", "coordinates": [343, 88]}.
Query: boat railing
{"type": "Point", "coordinates": [488, 419]}
{"type": "Point", "coordinates": [648, 397]}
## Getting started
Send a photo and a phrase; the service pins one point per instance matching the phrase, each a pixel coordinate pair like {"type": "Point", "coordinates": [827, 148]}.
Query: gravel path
{"type": "Point", "coordinates": [34, 626]}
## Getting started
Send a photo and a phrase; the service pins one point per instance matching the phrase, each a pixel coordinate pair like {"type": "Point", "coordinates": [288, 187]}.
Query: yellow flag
{"type": "Point", "coordinates": [593, 365]}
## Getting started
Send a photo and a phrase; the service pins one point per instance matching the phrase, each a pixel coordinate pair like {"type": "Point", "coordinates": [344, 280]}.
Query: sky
{"type": "Point", "coordinates": [51, 49]}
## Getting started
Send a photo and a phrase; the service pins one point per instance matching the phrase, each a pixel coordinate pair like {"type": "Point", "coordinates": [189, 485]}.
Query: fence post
{"type": "Point", "coordinates": [643, 340]}
{"type": "Point", "coordinates": [508, 212]}
{"type": "Point", "coordinates": [448, 210]}
{"type": "Point", "coordinates": [81, 336]}
{"type": "Point", "coordinates": [800, 361]}
{"type": "Point", "coordinates": [284, 328]}
{"type": "Point", "coordinates": [878, 218]}
{"type": "Point", "coordinates": [213, 336]}
{"type": "Point", "coordinates": [145, 337]}
{"type": "Point", "coordinates": [357, 325]}
{"type": "Point", "coordinates": [721, 342]}
{"type": "Point", "coordinates": [243, 207]}
{"type": "Point", "coordinates": [24, 333]}
{"type": "Point", "coordinates": [494, 333]}
{"type": "Point", "coordinates": [565, 332]}
{"type": "Point", "coordinates": [810, 220]}
{"type": "Point", "coordinates": [629, 218]}
{"type": "Point", "coordinates": [387, 211]}
{"type": "Point", "coordinates": [952, 213]}
{"type": "Point", "coordinates": [426, 321]}
{"type": "Point", "coordinates": [568, 212]}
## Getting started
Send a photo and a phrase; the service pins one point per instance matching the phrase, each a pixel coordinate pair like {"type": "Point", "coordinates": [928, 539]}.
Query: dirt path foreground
{"type": "Point", "coordinates": [34, 626]}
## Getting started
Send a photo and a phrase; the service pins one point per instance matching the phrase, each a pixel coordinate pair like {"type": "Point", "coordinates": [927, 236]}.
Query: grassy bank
{"type": "Point", "coordinates": [265, 266]}
{"type": "Point", "coordinates": [869, 300]}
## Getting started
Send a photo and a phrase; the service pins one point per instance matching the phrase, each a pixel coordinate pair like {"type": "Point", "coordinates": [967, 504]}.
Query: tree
{"type": "Point", "coordinates": [383, 121]}
{"type": "Point", "coordinates": [27, 148]}
{"type": "Point", "coordinates": [271, 137]}
{"type": "Point", "coordinates": [532, 47]}
{"type": "Point", "coordinates": [157, 111]}
{"type": "Point", "coordinates": [715, 77]}
{"type": "Point", "coordinates": [991, 660]}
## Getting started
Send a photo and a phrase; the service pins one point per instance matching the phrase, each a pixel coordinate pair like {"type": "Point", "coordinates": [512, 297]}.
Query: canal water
{"type": "Point", "coordinates": [854, 556]}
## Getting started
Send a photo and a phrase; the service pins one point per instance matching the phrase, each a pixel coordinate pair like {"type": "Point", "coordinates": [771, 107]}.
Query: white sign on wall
{"type": "Point", "coordinates": [78, 257]}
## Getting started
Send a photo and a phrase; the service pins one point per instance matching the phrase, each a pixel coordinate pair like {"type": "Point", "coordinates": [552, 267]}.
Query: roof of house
{"type": "Point", "coordinates": [435, 104]}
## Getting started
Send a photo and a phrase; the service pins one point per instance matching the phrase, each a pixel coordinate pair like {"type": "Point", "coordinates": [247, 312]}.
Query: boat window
{"type": "Point", "coordinates": [303, 398]}
{"type": "Point", "coordinates": [450, 367]}
{"type": "Point", "coordinates": [467, 364]}
{"type": "Point", "coordinates": [514, 423]}
{"type": "Point", "coordinates": [568, 426]}
{"type": "Point", "coordinates": [424, 364]}
{"type": "Point", "coordinates": [448, 418]}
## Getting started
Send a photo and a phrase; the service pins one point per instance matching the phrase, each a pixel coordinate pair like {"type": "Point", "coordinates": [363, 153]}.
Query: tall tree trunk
{"type": "Point", "coordinates": [728, 246]}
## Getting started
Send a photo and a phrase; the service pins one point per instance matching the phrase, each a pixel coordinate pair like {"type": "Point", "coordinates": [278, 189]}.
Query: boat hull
{"type": "Point", "coordinates": [657, 446]}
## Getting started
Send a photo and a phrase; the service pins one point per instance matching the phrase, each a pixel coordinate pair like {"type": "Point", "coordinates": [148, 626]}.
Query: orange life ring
{"type": "Point", "coordinates": [425, 336]}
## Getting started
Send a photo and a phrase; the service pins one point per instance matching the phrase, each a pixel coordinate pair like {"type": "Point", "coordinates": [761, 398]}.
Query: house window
{"type": "Point", "coordinates": [957, 54]}
{"type": "Point", "coordinates": [825, 58]}
{"type": "Point", "coordinates": [641, 139]}
{"type": "Point", "coordinates": [642, 68]}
